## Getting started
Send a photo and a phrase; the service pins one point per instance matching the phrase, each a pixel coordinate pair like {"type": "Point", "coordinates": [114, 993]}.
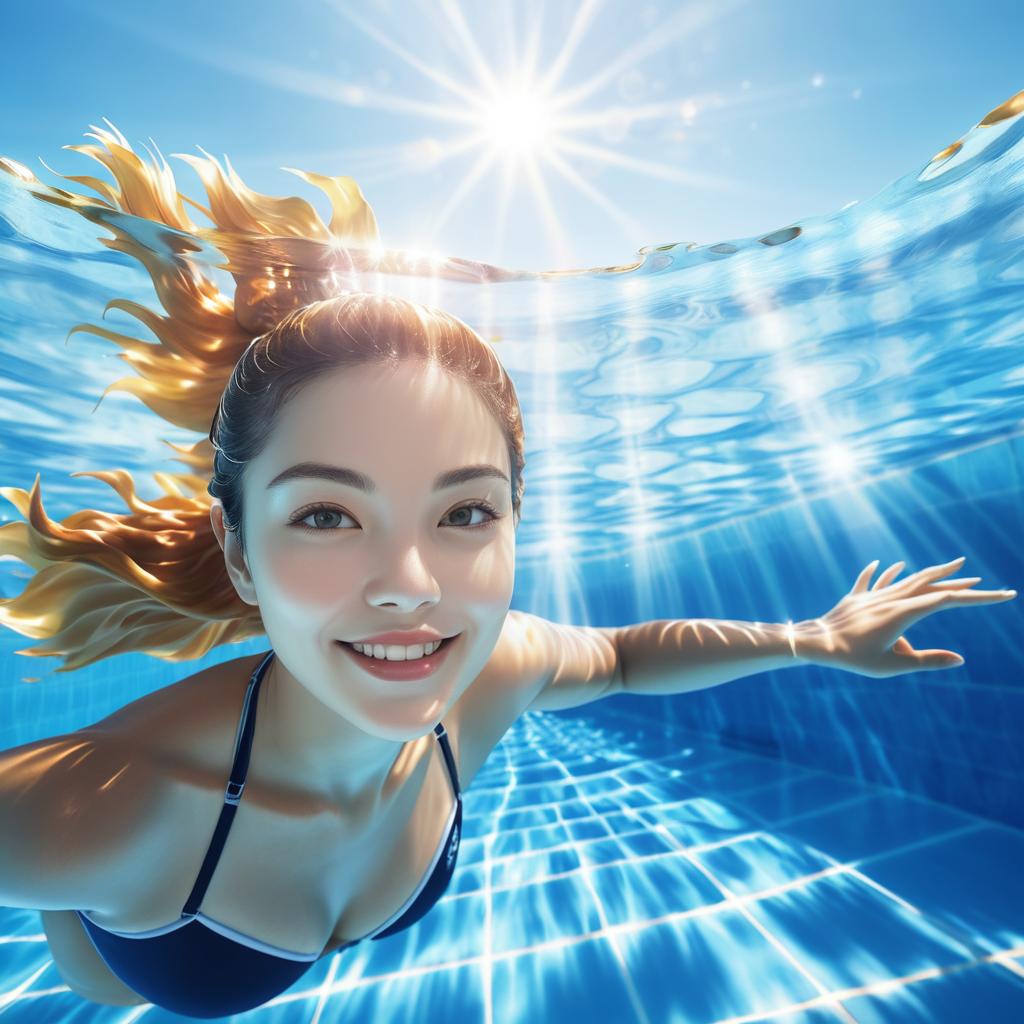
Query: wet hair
{"type": "Point", "coordinates": [154, 580]}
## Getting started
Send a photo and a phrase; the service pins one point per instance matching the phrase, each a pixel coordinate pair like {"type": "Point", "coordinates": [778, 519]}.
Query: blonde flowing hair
{"type": "Point", "coordinates": [154, 580]}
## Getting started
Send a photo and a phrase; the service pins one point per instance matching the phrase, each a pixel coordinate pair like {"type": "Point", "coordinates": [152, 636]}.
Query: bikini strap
{"type": "Point", "coordinates": [233, 792]}
{"type": "Point", "coordinates": [453, 773]}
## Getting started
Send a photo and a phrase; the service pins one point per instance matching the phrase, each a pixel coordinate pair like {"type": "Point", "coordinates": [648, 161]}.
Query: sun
{"type": "Point", "coordinates": [527, 126]}
{"type": "Point", "coordinates": [517, 123]}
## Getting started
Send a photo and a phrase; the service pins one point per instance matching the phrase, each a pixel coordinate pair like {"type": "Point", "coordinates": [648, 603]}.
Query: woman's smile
{"type": "Point", "coordinates": [400, 670]}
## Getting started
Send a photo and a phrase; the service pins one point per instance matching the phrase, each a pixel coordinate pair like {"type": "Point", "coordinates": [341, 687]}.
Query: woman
{"type": "Point", "coordinates": [363, 481]}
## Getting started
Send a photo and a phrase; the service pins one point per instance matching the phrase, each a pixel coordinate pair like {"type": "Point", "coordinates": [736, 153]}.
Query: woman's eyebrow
{"type": "Point", "coordinates": [353, 478]}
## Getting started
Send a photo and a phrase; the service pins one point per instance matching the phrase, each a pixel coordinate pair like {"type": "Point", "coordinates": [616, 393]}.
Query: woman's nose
{"type": "Point", "coordinates": [406, 582]}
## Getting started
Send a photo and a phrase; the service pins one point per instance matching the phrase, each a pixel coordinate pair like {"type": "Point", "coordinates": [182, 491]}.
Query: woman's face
{"type": "Point", "coordinates": [401, 557]}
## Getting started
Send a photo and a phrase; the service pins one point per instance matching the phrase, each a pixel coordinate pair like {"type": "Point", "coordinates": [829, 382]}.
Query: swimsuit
{"type": "Point", "coordinates": [202, 968]}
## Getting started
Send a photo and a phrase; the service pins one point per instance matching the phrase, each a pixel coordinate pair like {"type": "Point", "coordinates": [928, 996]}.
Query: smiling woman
{"type": "Point", "coordinates": [355, 500]}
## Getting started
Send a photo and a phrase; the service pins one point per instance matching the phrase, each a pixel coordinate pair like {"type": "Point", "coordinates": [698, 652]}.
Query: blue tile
{"type": "Point", "coordinates": [972, 883]}
{"type": "Point", "coordinates": [701, 812]}
{"type": "Point", "coordinates": [987, 794]}
{"type": "Point", "coordinates": [846, 933]}
{"type": "Point", "coordinates": [534, 867]}
{"type": "Point", "coordinates": [591, 828]}
{"type": "Point", "coordinates": [647, 889]}
{"type": "Point", "coordinates": [55, 1007]}
{"type": "Point", "coordinates": [535, 913]}
{"type": "Point", "coordinates": [814, 1015]}
{"type": "Point", "coordinates": [538, 772]}
{"type": "Point", "coordinates": [575, 808]}
{"type": "Point", "coordinates": [645, 841]}
{"type": "Point", "coordinates": [985, 993]}
{"type": "Point", "coordinates": [593, 788]}
{"type": "Point", "coordinates": [709, 967]}
{"type": "Point", "coordinates": [467, 878]}
{"type": "Point", "coordinates": [528, 840]}
{"type": "Point", "coordinates": [433, 997]}
{"type": "Point", "coordinates": [880, 823]}
{"type": "Point", "coordinates": [799, 794]}
{"type": "Point", "coordinates": [761, 862]}
{"type": "Point", "coordinates": [535, 816]}
{"type": "Point", "coordinates": [638, 796]}
{"type": "Point", "coordinates": [568, 983]}
{"type": "Point", "coordinates": [739, 772]}
{"type": "Point", "coordinates": [667, 790]}
{"type": "Point", "coordinates": [596, 852]}
{"type": "Point", "coordinates": [450, 932]}
{"type": "Point", "coordinates": [627, 821]}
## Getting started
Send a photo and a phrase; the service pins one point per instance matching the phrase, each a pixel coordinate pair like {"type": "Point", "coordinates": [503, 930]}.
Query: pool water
{"type": "Point", "coordinates": [726, 431]}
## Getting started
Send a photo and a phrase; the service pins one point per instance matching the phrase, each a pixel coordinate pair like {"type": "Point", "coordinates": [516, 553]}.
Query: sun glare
{"type": "Point", "coordinates": [517, 123]}
{"type": "Point", "coordinates": [529, 126]}
{"type": "Point", "coordinates": [838, 461]}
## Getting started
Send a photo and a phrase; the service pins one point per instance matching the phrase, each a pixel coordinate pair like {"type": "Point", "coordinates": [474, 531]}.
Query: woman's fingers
{"type": "Point", "coordinates": [963, 581]}
{"type": "Point", "coordinates": [934, 658]}
{"type": "Point", "coordinates": [916, 607]}
{"type": "Point", "coordinates": [930, 576]}
{"type": "Point", "coordinates": [931, 572]}
{"type": "Point", "coordinates": [889, 575]}
{"type": "Point", "coordinates": [982, 596]}
{"type": "Point", "coordinates": [861, 583]}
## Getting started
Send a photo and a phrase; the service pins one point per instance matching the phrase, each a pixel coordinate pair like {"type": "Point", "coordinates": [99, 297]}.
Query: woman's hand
{"type": "Point", "coordinates": [863, 632]}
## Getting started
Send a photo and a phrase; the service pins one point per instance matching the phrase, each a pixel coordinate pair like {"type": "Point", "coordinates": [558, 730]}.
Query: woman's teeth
{"type": "Point", "coordinates": [395, 652]}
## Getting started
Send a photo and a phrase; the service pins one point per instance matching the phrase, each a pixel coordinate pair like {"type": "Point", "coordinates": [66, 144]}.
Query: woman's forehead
{"type": "Point", "coordinates": [418, 417]}
{"type": "Point", "coordinates": [411, 381]}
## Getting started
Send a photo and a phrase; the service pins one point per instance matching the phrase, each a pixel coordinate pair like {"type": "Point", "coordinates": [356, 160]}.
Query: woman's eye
{"type": "Point", "coordinates": [324, 515]}
{"type": "Point", "coordinates": [320, 514]}
{"type": "Point", "coordinates": [482, 506]}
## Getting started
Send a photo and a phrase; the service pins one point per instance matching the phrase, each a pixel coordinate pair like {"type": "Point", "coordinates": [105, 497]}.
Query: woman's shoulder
{"type": "Point", "coordinates": [70, 806]}
{"type": "Point", "coordinates": [180, 737]}
{"type": "Point", "coordinates": [58, 785]}
{"type": "Point", "coordinates": [77, 809]}
{"type": "Point", "coordinates": [199, 701]}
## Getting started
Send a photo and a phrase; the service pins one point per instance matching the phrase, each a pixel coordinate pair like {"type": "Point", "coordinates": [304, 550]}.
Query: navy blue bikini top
{"type": "Point", "coordinates": [199, 967]}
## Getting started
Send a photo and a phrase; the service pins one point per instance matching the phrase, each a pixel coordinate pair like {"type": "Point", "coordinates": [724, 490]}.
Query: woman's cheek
{"type": "Point", "coordinates": [302, 575]}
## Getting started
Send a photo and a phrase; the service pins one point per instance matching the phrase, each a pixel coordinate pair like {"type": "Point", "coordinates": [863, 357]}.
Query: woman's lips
{"type": "Point", "coordinates": [401, 671]}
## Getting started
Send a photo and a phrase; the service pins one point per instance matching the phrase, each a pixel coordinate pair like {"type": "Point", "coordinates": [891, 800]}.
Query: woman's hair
{"type": "Point", "coordinates": [154, 580]}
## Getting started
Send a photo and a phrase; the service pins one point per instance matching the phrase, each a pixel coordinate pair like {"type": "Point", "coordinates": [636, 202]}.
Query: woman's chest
{"type": "Point", "coordinates": [293, 872]}
{"type": "Point", "coordinates": [289, 873]}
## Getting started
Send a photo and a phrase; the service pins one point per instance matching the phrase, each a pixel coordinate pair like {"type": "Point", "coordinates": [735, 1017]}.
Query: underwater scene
{"type": "Point", "coordinates": [727, 432]}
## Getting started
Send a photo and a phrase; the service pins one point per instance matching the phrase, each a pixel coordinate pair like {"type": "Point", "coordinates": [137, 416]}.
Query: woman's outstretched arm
{"type": "Point", "coordinates": [666, 656]}
{"type": "Point", "coordinates": [862, 634]}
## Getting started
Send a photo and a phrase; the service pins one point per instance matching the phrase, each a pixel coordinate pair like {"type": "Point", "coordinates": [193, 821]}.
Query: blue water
{"type": "Point", "coordinates": [727, 431]}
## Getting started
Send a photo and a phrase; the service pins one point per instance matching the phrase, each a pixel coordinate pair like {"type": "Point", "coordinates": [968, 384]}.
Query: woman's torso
{"type": "Point", "coordinates": [296, 872]}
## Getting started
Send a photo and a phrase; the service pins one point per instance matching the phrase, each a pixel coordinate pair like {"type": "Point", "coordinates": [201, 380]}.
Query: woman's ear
{"type": "Point", "coordinates": [234, 560]}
